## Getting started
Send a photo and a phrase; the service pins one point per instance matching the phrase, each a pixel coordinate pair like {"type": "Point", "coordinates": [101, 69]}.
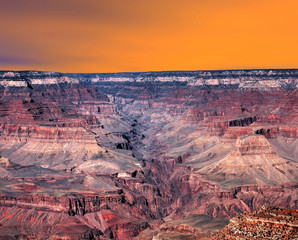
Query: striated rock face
{"type": "Point", "coordinates": [253, 161]}
{"type": "Point", "coordinates": [253, 145]}
{"type": "Point", "coordinates": [192, 194]}
{"type": "Point", "coordinates": [36, 224]}
{"type": "Point", "coordinates": [58, 126]}
{"type": "Point", "coordinates": [51, 207]}
{"type": "Point", "coordinates": [113, 156]}
{"type": "Point", "coordinates": [191, 227]}
{"type": "Point", "coordinates": [245, 79]}
{"type": "Point", "coordinates": [29, 78]}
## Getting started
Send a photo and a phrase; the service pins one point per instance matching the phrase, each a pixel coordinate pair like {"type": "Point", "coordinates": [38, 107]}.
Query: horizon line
{"type": "Point", "coordinates": [153, 71]}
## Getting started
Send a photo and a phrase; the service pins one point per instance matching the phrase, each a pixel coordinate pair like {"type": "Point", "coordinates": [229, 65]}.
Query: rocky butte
{"type": "Point", "coordinates": [150, 155]}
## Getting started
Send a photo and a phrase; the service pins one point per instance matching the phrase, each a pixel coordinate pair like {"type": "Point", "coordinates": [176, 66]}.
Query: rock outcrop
{"type": "Point", "coordinates": [266, 223]}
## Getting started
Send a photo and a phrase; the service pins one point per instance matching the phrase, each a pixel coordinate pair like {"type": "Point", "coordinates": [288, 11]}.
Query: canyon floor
{"type": "Point", "coordinates": [157, 155]}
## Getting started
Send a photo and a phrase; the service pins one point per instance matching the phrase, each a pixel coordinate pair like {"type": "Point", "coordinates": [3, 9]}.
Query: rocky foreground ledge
{"type": "Point", "coordinates": [269, 222]}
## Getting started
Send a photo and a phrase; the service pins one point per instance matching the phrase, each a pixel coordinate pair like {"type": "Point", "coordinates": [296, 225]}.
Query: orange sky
{"type": "Point", "coordinates": [147, 35]}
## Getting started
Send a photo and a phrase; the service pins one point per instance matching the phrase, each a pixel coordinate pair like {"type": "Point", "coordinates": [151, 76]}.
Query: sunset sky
{"type": "Point", "coordinates": [147, 35]}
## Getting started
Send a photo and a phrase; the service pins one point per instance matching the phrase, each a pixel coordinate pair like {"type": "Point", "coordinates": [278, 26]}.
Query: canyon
{"type": "Point", "coordinates": [140, 155]}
